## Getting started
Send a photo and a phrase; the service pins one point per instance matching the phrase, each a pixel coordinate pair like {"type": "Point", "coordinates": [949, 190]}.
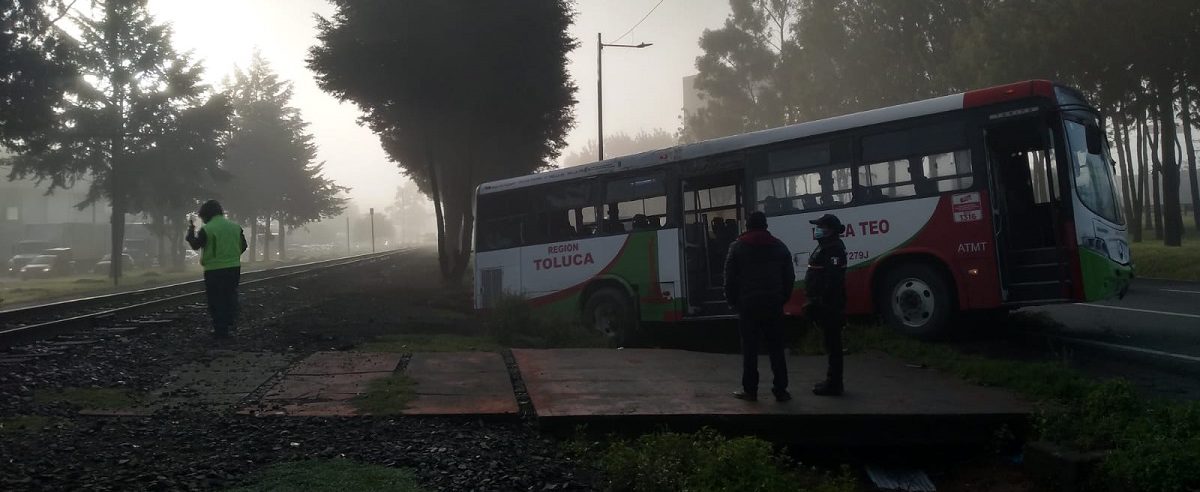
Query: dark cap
{"type": "Point", "coordinates": [756, 220]}
{"type": "Point", "coordinates": [829, 221]}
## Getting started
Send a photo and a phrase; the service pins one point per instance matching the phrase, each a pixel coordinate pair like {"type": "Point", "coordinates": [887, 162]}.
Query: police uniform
{"type": "Point", "coordinates": [825, 289]}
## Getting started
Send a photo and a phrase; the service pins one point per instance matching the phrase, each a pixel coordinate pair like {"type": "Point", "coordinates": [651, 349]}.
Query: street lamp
{"type": "Point", "coordinates": [600, 45]}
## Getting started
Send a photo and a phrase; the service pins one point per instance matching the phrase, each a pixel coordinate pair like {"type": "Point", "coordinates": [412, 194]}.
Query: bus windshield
{"type": "Point", "coordinates": [1093, 174]}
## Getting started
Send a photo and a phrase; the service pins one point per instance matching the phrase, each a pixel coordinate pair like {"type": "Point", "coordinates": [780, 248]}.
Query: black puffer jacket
{"type": "Point", "coordinates": [759, 276]}
{"type": "Point", "coordinates": [825, 281]}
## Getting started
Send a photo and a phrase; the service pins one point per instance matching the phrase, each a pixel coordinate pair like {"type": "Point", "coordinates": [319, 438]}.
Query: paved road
{"type": "Point", "coordinates": [1156, 314]}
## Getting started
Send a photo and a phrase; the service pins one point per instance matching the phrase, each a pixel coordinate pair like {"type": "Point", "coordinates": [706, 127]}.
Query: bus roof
{"type": "Point", "coordinates": [953, 102]}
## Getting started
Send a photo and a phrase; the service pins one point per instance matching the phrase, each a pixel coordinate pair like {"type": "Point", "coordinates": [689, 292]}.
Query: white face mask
{"type": "Point", "coordinates": [820, 233]}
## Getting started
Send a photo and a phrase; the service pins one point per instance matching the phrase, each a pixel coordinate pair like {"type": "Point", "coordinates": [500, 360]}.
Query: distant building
{"type": "Point", "coordinates": [24, 202]}
{"type": "Point", "coordinates": [27, 212]}
{"type": "Point", "coordinates": [692, 102]}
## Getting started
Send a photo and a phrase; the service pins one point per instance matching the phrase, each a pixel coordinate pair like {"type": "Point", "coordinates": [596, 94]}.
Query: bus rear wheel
{"type": "Point", "coordinates": [915, 300]}
{"type": "Point", "coordinates": [609, 313]}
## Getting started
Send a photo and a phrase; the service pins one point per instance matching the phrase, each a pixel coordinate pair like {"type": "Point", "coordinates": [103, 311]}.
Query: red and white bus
{"type": "Point", "coordinates": [987, 200]}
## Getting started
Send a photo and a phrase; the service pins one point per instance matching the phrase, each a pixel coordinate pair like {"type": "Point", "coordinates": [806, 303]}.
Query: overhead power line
{"type": "Point", "coordinates": [635, 26]}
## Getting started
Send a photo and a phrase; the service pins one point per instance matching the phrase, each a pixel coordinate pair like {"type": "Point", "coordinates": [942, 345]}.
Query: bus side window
{"type": "Point", "coordinates": [583, 220]}
{"type": "Point", "coordinates": [500, 233]}
{"type": "Point", "coordinates": [643, 198]}
{"type": "Point", "coordinates": [887, 180]}
{"type": "Point", "coordinates": [949, 170]}
{"type": "Point", "coordinates": [780, 195]}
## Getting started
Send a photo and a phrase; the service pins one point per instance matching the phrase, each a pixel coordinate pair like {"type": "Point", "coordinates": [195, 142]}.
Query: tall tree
{"type": "Point", "coordinates": [410, 210]}
{"type": "Point", "coordinates": [740, 70]}
{"type": "Point", "coordinates": [180, 169]}
{"type": "Point", "coordinates": [459, 93]}
{"type": "Point", "coordinates": [1187, 119]}
{"type": "Point", "coordinates": [103, 129]}
{"type": "Point", "coordinates": [272, 159]}
{"type": "Point", "coordinates": [308, 196]}
{"type": "Point", "coordinates": [38, 70]}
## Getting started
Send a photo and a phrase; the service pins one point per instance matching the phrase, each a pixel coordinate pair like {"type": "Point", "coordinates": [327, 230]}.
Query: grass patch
{"type": "Point", "coordinates": [25, 424]}
{"type": "Point", "coordinates": [386, 396]}
{"type": "Point", "coordinates": [330, 476]}
{"type": "Point", "coordinates": [51, 289]}
{"type": "Point", "coordinates": [60, 288]}
{"type": "Point", "coordinates": [1152, 259]}
{"type": "Point", "coordinates": [1035, 380]}
{"type": "Point", "coordinates": [430, 343]}
{"type": "Point", "coordinates": [1151, 444]}
{"type": "Point", "coordinates": [91, 398]}
{"type": "Point", "coordinates": [703, 460]}
{"type": "Point", "coordinates": [515, 323]}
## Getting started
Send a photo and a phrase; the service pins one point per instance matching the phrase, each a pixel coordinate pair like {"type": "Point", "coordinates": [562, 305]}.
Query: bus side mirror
{"type": "Point", "coordinates": [1095, 141]}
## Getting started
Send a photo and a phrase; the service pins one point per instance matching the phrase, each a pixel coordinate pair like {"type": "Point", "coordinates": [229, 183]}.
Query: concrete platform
{"type": "Point", "coordinates": [887, 402]}
{"type": "Point", "coordinates": [324, 383]}
{"type": "Point", "coordinates": [456, 383]}
{"type": "Point", "coordinates": [461, 383]}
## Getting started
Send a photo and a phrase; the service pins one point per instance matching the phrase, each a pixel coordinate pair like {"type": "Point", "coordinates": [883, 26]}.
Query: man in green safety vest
{"type": "Point", "coordinates": [223, 243]}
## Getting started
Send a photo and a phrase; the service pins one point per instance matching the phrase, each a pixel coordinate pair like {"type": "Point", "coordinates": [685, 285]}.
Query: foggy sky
{"type": "Point", "coordinates": [642, 87]}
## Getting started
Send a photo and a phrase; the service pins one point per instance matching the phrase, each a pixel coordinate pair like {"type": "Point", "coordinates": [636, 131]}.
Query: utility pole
{"type": "Point", "coordinates": [372, 229]}
{"type": "Point", "coordinates": [600, 45]}
{"type": "Point", "coordinates": [600, 95]}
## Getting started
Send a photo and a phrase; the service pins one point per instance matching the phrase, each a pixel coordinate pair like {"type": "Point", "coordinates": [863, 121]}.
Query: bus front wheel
{"type": "Point", "coordinates": [609, 313]}
{"type": "Point", "coordinates": [915, 300]}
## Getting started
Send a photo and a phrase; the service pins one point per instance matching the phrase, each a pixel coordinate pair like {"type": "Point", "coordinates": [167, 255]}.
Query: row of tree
{"type": "Point", "coordinates": [98, 93]}
{"type": "Point", "coordinates": [621, 143]}
{"type": "Point", "coordinates": [776, 62]}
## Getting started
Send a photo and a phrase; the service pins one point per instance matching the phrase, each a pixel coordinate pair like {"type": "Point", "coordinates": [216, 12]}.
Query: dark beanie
{"type": "Point", "coordinates": [757, 220]}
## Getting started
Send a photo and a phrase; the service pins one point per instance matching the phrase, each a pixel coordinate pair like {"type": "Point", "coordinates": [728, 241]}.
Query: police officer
{"type": "Point", "coordinates": [222, 243]}
{"type": "Point", "coordinates": [759, 278]}
{"type": "Point", "coordinates": [825, 288]}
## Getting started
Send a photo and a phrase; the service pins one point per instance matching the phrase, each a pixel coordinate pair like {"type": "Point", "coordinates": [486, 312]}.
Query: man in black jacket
{"type": "Point", "coordinates": [758, 281]}
{"type": "Point", "coordinates": [825, 288]}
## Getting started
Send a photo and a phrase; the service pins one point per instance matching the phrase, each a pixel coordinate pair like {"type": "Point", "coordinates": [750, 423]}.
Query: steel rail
{"type": "Point", "coordinates": [39, 330]}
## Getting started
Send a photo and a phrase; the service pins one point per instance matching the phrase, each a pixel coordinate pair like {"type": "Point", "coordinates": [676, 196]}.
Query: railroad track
{"type": "Point", "coordinates": [28, 324]}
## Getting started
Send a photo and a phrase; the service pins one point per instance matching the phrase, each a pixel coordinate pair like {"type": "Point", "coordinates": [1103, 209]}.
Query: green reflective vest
{"type": "Point", "coordinates": [222, 244]}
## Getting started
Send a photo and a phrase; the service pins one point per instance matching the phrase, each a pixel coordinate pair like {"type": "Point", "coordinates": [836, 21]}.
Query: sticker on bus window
{"type": "Point", "coordinates": [967, 207]}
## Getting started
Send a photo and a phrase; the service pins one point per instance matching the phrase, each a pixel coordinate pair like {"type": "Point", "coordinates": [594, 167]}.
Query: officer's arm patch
{"type": "Point", "coordinates": [836, 261]}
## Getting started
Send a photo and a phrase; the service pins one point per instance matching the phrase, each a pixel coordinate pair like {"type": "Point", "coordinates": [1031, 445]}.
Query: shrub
{"type": "Point", "coordinates": [513, 321]}
{"type": "Point", "coordinates": [707, 461]}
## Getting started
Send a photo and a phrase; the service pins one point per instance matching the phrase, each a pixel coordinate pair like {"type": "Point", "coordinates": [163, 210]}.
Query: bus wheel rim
{"type": "Point", "coordinates": [913, 302]}
{"type": "Point", "coordinates": [604, 319]}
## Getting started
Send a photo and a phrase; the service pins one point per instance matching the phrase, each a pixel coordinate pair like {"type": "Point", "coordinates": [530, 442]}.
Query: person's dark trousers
{"type": "Point", "coordinates": [756, 330]}
{"type": "Point", "coordinates": [221, 286]}
{"type": "Point", "coordinates": [831, 323]}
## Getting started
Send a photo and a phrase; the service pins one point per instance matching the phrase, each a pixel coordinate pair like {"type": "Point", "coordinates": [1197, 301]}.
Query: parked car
{"type": "Point", "coordinates": [23, 253]}
{"type": "Point", "coordinates": [102, 267]}
{"type": "Point", "coordinates": [46, 266]}
{"type": "Point", "coordinates": [67, 257]}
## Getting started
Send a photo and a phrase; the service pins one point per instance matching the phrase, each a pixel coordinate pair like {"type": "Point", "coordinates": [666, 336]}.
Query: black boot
{"type": "Point", "coordinates": [745, 395]}
{"type": "Point", "coordinates": [828, 388]}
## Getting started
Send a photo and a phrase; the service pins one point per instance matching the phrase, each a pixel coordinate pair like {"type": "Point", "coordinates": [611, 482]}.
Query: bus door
{"type": "Point", "coordinates": [1027, 212]}
{"type": "Point", "coordinates": [712, 209]}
